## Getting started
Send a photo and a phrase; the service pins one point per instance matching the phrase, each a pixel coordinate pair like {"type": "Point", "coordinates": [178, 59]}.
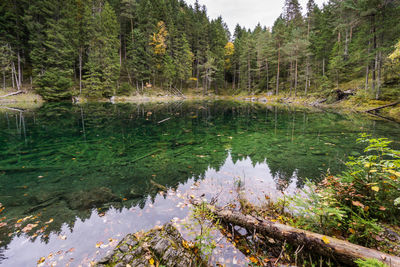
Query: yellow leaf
{"type": "Point", "coordinates": [185, 244]}
{"type": "Point", "coordinates": [41, 260]}
{"type": "Point", "coordinates": [326, 240]}
{"type": "Point", "coordinates": [375, 188]}
{"type": "Point", "coordinates": [351, 230]}
{"type": "Point", "coordinates": [394, 172]}
{"type": "Point", "coordinates": [253, 259]}
{"type": "Point", "coordinates": [151, 261]}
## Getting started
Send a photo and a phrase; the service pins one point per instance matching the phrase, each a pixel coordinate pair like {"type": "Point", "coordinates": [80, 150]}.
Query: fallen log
{"type": "Point", "coordinates": [11, 94]}
{"type": "Point", "coordinates": [340, 250]}
{"type": "Point", "coordinates": [381, 107]}
{"type": "Point", "coordinates": [12, 109]}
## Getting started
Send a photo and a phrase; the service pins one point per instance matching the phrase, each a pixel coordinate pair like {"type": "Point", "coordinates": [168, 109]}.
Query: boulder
{"type": "Point", "coordinates": [160, 246]}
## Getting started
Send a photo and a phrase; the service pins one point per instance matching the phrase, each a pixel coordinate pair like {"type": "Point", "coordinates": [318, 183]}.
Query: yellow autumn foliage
{"type": "Point", "coordinates": [159, 38]}
{"type": "Point", "coordinates": [396, 53]}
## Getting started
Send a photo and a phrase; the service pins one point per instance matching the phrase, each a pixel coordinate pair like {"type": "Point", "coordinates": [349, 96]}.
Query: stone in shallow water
{"type": "Point", "coordinates": [88, 199]}
{"type": "Point", "coordinates": [164, 245]}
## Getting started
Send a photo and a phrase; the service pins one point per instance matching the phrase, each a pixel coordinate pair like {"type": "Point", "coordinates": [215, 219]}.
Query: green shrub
{"type": "Point", "coordinates": [354, 202]}
{"type": "Point", "coordinates": [370, 263]}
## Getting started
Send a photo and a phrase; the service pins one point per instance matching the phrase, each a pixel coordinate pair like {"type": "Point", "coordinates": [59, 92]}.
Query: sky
{"type": "Point", "coordinates": [247, 13]}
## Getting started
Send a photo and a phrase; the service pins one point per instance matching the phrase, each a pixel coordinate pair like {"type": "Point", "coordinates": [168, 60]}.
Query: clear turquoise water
{"type": "Point", "coordinates": [95, 172]}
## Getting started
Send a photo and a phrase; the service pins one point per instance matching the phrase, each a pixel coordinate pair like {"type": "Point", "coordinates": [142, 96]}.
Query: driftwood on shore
{"type": "Point", "coordinates": [381, 107]}
{"type": "Point", "coordinates": [11, 94]}
{"type": "Point", "coordinates": [339, 250]}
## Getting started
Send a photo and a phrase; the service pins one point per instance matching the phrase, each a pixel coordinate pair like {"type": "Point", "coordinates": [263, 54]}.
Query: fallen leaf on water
{"type": "Point", "coordinates": [62, 237]}
{"type": "Point", "coordinates": [71, 250]}
{"type": "Point", "coordinates": [3, 224]}
{"type": "Point", "coordinates": [49, 221]}
{"type": "Point", "coordinates": [41, 260]}
{"type": "Point", "coordinates": [98, 244]}
{"type": "Point", "coordinates": [29, 227]}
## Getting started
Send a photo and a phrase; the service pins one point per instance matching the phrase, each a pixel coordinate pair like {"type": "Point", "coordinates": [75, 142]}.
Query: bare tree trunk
{"type": "Point", "coordinates": [234, 78]}
{"type": "Point", "coordinates": [267, 67]}
{"type": "Point", "coordinates": [346, 44]}
{"type": "Point", "coordinates": [277, 75]}
{"type": "Point", "coordinates": [19, 70]}
{"type": "Point", "coordinates": [367, 68]}
{"type": "Point", "coordinates": [15, 76]}
{"type": "Point", "coordinates": [291, 76]}
{"type": "Point", "coordinates": [323, 66]}
{"type": "Point", "coordinates": [120, 49]}
{"type": "Point", "coordinates": [378, 89]}
{"type": "Point", "coordinates": [307, 73]}
{"type": "Point", "coordinates": [4, 79]}
{"type": "Point", "coordinates": [376, 55]}
{"type": "Point", "coordinates": [12, 77]}
{"type": "Point", "coordinates": [80, 70]}
{"type": "Point", "coordinates": [248, 73]}
{"type": "Point", "coordinates": [295, 80]}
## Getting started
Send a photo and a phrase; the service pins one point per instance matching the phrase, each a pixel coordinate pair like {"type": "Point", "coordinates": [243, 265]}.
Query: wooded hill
{"type": "Point", "coordinates": [100, 48]}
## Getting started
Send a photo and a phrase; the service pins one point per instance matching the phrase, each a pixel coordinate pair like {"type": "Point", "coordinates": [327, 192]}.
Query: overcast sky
{"type": "Point", "coordinates": [247, 12]}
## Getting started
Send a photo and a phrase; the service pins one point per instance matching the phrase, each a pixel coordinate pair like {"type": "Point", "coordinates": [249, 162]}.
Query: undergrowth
{"type": "Point", "coordinates": [355, 203]}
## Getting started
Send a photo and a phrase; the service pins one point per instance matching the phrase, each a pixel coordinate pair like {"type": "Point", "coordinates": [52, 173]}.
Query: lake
{"type": "Point", "coordinates": [76, 179]}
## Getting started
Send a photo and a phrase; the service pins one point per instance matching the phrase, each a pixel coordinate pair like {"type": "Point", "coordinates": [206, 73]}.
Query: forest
{"type": "Point", "coordinates": [102, 48]}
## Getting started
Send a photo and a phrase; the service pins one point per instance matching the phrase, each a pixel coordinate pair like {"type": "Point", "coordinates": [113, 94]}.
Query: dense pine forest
{"type": "Point", "coordinates": [101, 48]}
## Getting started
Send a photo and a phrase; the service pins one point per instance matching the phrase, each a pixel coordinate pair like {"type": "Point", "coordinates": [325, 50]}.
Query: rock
{"type": "Point", "coordinates": [88, 199]}
{"type": "Point", "coordinates": [270, 93]}
{"type": "Point", "coordinates": [164, 245]}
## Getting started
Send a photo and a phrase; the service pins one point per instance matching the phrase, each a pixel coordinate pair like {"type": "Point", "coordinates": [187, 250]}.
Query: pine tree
{"type": "Point", "coordinates": [102, 68]}
{"type": "Point", "coordinates": [183, 60]}
{"type": "Point", "coordinates": [51, 55]}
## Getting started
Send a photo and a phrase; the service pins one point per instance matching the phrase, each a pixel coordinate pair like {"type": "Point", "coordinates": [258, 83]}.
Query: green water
{"type": "Point", "coordinates": [77, 165]}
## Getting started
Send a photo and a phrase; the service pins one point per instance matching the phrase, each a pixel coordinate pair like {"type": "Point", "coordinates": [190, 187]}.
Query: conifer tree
{"type": "Point", "coordinates": [102, 68]}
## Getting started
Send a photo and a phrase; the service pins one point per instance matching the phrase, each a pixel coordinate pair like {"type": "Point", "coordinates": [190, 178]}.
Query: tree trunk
{"type": "Point", "coordinates": [323, 66]}
{"type": "Point", "coordinates": [15, 77]}
{"type": "Point", "coordinates": [12, 77]}
{"type": "Point", "coordinates": [339, 250]}
{"type": "Point", "coordinates": [378, 89]}
{"type": "Point", "coordinates": [19, 71]}
{"type": "Point", "coordinates": [375, 60]}
{"type": "Point", "coordinates": [80, 71]}
{"type": "Point", "coordinates": [4, 79]}
{"type": "Point", "coordinates": [307, 70]}
{"type": "Point", "coordinates": [277, 74]}
{"type": "Point", "coordinates": [295, 80]}
{"type": "Point", "coordinates": [267, 67]}
{"type": "Point", "coordinates": [234, 78]}
{"type": "Point", "coordinates": [291, 76]}
{"type": "Point", "coordinates": [248, 73]}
